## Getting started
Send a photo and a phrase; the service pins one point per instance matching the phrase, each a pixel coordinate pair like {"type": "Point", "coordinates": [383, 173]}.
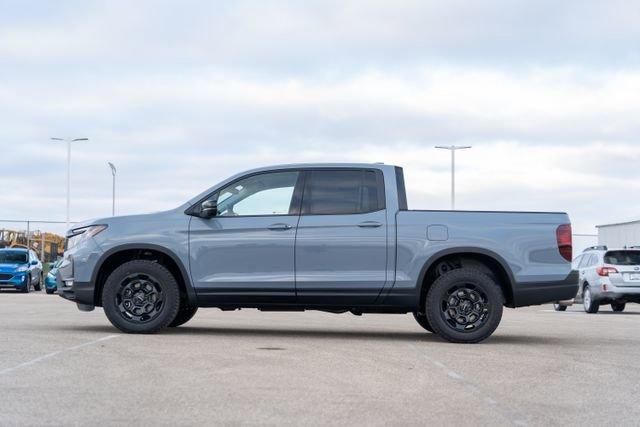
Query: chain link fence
{"type": "Point", "coordinates": [46, 238]}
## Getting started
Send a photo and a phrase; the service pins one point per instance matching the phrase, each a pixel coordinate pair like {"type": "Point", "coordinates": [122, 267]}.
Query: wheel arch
{"type": "Point", "coordinates": [117, 255]}
{"type": "Point", "coordinates": [494, 264]}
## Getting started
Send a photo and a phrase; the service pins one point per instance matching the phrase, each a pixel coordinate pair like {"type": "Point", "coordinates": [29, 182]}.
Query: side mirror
{"type": "Point", "coordinates": [34, 262]}
{"type": "Point", "coordinates": [209, 209]}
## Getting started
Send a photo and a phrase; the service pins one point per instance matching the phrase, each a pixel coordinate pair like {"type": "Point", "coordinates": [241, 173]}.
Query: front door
{"type": "Point", "coordinates": [245, 254]}
{"type": "Point", "coordinates": [341, 244]}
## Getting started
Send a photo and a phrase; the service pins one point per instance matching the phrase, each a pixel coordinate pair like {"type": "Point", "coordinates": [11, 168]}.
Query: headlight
{"type": "Point", "coordinates": [78, 235]}
{"type": "Point", "coordinates": [22, 268]}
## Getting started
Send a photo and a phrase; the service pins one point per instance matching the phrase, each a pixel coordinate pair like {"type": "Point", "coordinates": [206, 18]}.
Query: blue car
{"type": "Point", "coordinates": [20, 269]}
{"type": "Point", "coordinates": [50, 284]}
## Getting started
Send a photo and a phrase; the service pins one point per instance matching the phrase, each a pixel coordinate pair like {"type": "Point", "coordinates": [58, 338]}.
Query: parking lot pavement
{"type": "Point", "coordinates": [62, 366]}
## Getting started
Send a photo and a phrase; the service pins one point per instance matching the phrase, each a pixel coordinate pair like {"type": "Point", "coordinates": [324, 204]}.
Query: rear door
{"type": "Point", "coordinates": [590, 273]}
{"type": "Point", "coordinates": [341, 243]}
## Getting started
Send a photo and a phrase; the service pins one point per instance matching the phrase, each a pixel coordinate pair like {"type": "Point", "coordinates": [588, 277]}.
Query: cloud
{"type": "Point", "coordinates": [288, 37]}
{"type": "Point", "coordinates": [181, 95]}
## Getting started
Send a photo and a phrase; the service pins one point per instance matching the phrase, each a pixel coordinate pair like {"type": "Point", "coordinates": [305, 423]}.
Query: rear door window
{"type": "Point", "coordinates": [622, 258]}
{"type": "Point", "coordinates": [343, 192]}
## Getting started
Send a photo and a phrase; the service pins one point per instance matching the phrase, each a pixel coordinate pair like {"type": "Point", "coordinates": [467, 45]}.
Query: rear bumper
{"type": "Point", "coordinates": [607, 292]}
{"type": "Point", "coordinates": [525, 294]}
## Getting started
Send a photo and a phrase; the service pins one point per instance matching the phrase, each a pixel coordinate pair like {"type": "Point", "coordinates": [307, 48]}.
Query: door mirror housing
{"type": "Point", "coordinates": [208, 209]}
{"type": "Point", "coordinates": [34, 262]}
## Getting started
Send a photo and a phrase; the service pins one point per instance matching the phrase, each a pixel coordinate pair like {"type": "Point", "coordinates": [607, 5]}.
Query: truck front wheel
{"type": "Point", "coordinates": [185, 314]}
{"type": "Point", "coordinates": [141, 296]}
{"type": "Point", "coordinates": [464, 305]}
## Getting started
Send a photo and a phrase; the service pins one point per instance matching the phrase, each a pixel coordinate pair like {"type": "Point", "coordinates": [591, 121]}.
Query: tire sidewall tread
{"type": "Point", "coordinates": [185, 314]}
{"type": "Point", "coordinates": [422, 320]}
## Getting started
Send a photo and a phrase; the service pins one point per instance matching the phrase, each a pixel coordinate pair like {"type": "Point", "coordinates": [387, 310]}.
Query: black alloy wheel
{"type": "Point", "coordinates": [141, 296]}
{"type": "Point", "coordinates": [464, 305]}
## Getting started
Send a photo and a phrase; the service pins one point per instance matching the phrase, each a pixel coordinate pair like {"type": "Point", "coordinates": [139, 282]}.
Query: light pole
{"type": "Point", "coordinates": [453, 149]}
{"type": "Point", "coordinates": [69, 141]}
{"type": "Point", "coordinates": [113, 198]}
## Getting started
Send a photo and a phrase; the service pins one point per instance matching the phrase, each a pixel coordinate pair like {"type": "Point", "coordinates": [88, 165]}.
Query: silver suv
{"type": "Point", "coordinates": [607, 276]}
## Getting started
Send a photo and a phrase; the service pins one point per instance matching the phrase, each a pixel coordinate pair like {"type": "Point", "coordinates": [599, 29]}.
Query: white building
{"type": "Point", "coordinates": [619, 235]}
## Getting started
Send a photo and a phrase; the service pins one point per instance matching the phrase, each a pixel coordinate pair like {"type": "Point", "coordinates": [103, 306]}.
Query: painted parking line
{"type": "Point", "coordinates": [54, 354]}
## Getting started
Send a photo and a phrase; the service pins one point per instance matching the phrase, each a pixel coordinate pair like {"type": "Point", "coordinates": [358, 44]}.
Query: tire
{"type": "Point", "coordinates": [185, 314]}
{"type": "Point", "coordinates": [464, 306]}
{"type": "Point", "coordinates": [618, 307]}
{"type": "Point", "coordinates": [141, 297]}
{"type": "Point", "coordinates": [559, 307]}
{"type": "Point", "coordinates": [49, 291]}
{"type": "Point", "coordinates": [27, 286]}
{"type": "Point", "coordinates": [590, 306]}
{"type": "Point", "coordinates": [423, 321]}
{"type": "Point", "coordinates": [38, 286]}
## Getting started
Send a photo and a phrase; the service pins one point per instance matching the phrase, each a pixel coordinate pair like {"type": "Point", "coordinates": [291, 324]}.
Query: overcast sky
{"type": "Point", "coordinates": [181, 94]}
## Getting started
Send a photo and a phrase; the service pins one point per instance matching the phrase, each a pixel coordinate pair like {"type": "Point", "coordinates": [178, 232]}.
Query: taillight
{"type": "Point", "coordinates": [605, 271]}
{"type": "Point", "coordinates": [565, 241]}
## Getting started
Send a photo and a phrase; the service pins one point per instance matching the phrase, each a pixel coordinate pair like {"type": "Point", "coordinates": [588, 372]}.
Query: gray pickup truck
{"type": "Point", "coordinates": [331, 237]}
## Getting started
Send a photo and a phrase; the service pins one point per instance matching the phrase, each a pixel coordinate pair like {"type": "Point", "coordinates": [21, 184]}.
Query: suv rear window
{"type": "Point", "coordinates": [622, 258]}
{"type": "Point", "coordinates": [342, 192]}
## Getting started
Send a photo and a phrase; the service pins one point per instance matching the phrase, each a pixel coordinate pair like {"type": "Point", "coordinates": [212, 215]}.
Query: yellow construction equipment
{"type": "Point", "coordinates": [48, 246]}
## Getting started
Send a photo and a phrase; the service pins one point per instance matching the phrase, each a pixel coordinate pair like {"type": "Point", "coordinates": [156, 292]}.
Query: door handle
{"type": "Point", "coordinates": [279, 226]}
{"type": "Point", "coordinates": [370, 224]}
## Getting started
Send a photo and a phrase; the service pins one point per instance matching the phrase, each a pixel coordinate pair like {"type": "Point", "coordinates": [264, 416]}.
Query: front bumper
{"type": "Point", "coordinates": [79, 292]}
{"type": "Point", "coordinates": [17, 281]}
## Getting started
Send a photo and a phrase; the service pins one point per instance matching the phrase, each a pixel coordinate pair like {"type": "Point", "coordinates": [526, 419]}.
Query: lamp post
{"type": "Point", "coordinates": [453, 149]}
{"type": "Point", "coordinates": [113, 192]}
{"type": "Point", "coordinates": [69, 141]}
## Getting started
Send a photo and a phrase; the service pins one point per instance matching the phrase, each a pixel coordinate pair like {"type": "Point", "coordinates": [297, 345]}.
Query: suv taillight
{"type": "Point", "coordinates": [565, 241]}
{"type": "Point", "coordinates": [605, 271]}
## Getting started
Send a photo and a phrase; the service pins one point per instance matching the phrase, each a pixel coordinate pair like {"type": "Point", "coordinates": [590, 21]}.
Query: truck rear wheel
{"type": "Point", "coordinates": [141, 296]}
{"type": "Point", "coordinates": [422, 320]}
{"type": "Point", "coordinates": [464, 305]}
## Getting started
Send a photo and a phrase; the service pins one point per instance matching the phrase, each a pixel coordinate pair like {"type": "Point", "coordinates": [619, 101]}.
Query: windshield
{"type": "Point", "coordinates": [13, 257]}
{"type": "Point", "coordinates": [622, 258]}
